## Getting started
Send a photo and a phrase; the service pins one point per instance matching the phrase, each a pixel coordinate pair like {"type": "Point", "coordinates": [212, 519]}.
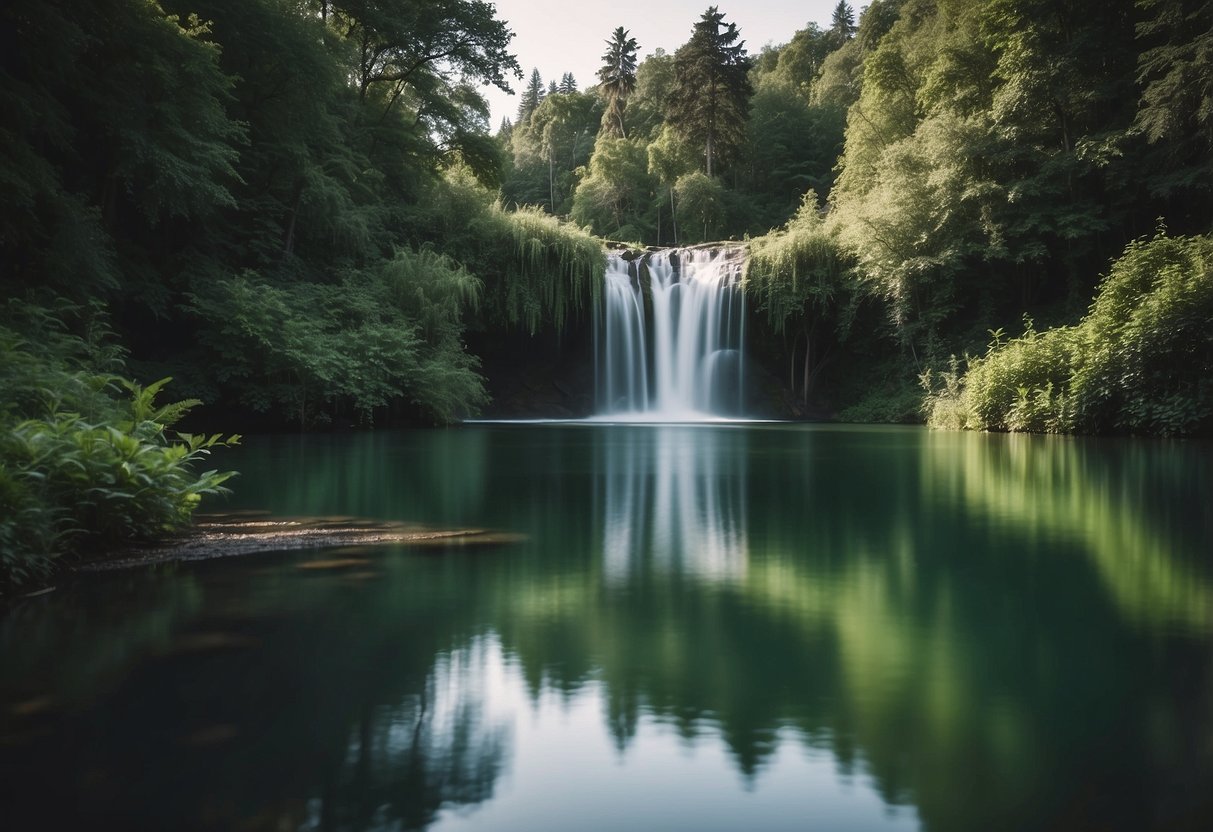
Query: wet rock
{"type": "Point", "coordinates": [332, 563]}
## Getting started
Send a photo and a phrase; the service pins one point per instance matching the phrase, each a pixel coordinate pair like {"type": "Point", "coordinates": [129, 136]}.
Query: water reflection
{"type": "Point", "coordinates": [1138, 511]}
{"type": "Point", "coordinates": [406, 761]}
{"type": "Point", "coordinates": [673, 501]}
{"type": "Point", "coordinates": [712, 628]}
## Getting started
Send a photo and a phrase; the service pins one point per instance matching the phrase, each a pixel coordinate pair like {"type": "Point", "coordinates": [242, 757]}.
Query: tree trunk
{"type": "Point", "coordinates": [673, 216]}
{"type": "Point", "coordinates": [288, 245]}
{"type": "Point", "coordinates": [792, 363]}
{"type": "Point", "coordinates": [364, 67]}
{"type": "Point", "coordinates": [808, 349]}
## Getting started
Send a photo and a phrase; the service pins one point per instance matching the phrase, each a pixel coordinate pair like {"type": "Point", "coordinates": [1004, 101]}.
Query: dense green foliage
{"type": "Point", "coordinates": [250, 187]}
{"type": "Point", "coordinates": [1141, 361]}
{"type": "Point", "coordinates": [616, 189]}
{"type": "Point", "coordinates": [536, 270]}
{"type": "Point", "coordinates": [372, 338]}
{"type": "Point", "coordinates": [548, 148]}
{"type": "Point", "coordinates": [794, 279]}
{"type": "Point", "coordinates": [288, 206]}
{"type": "Point", "coordinates": [997, 156]}
{"type": "Point", "coordinates": [977, 161]}
{"type": "Point", "coordinates": [86, 460]}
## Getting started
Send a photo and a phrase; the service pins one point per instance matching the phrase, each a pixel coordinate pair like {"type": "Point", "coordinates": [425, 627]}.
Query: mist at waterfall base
{"type": "Point", "coordinates": [673, 353]}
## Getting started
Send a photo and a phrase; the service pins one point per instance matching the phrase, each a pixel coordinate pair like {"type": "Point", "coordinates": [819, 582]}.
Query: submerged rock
{"type": "Point", "coordinates": [245, 533]}
{"type": "Point", "coordinates": [333, 563]}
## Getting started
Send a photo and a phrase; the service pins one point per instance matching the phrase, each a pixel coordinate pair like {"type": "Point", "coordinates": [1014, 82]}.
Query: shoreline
{"type": "Point", "coordinates": [246, 533]}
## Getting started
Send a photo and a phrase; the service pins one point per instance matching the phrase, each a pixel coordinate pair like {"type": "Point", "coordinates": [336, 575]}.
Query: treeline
{"type": "Point", "coordinates": [291, 206]}
{"type": "Point", "coordinates": [706, 143]}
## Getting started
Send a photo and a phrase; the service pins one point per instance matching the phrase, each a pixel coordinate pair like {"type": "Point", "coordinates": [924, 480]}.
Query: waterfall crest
{"type": "Point", "coordinates": [669, 337]}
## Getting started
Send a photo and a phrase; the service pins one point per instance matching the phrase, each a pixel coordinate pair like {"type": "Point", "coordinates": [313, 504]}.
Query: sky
{"type": "Point", "coordinates": [560, 36]}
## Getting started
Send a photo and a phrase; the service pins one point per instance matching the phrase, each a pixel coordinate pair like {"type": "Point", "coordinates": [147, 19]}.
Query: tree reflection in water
{"type": "Point", "coordinates": [979, 627]}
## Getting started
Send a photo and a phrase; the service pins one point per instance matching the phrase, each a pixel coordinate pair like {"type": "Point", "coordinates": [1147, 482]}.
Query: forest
{"type": "Point", "coordinates": [984, 214]}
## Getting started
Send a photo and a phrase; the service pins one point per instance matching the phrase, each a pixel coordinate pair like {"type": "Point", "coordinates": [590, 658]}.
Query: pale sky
{"type": "Point", "coordinates": [560, 36]}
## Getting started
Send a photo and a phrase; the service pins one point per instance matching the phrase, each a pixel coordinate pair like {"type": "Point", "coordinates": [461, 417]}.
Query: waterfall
{"type": "Point", "coordinates": [678, 357]}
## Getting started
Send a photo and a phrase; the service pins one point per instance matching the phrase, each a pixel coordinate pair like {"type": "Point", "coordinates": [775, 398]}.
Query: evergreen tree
{"type": "Point", "coordinates": [568, 84]}
{"type": "Point", "coordinates": [532, 96]}
{"type": "Point", "coordinates": [553, 87]}
{"type": "Point", "coordinates": [617, 79]}
{"type": "Point", "coordinates": [842, 24]}
{"type": "Point", "coordinates": [712, 88]}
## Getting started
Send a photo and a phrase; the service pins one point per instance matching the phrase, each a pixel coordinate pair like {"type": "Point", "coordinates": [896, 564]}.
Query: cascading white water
{"type": "Point", "coordinates": [685, 364]}
{"type": "Point", "coordinates": [622, 366]}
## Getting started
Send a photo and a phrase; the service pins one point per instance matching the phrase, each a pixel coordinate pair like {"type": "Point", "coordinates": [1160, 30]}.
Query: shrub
{"type": "Point", "coordinates": [1140, 362]}
{"type": "Point", "coordinates": [76, 486]}
{"type": "Point", "coordinates": [86, 461]}
{"type": "Point", "coordinates": [1149, 365]}
{"type": "Point", "coordinates": [378, 335]}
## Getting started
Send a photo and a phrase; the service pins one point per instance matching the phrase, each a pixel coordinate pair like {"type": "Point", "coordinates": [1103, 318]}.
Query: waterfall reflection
{"type": "Point", "coordinates": [672, 501]}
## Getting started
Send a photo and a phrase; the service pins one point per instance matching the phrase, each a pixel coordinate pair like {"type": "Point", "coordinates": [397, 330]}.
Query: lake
{"type": "Point", "coordinates": [710, 627]}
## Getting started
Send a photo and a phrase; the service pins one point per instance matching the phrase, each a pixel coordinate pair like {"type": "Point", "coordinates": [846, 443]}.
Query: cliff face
{"type": "Point", "coordinates": [541, 377]}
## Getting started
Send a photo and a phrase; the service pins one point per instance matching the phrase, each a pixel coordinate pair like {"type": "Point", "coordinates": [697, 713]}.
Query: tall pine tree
{"type": "Point", "coordinates": [712, 89]}
{"type": "Point", "coordinates": [842, 24]}
{"type": "Point", "coordinates": [617, 79]}
{"type": "Point", "coordinates": [532, 96]}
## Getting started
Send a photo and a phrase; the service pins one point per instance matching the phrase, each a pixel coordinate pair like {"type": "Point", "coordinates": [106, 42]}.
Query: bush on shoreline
{"type": "Point", "coordinates": [87, 460]}
{"type": "Point", "coordinates": [1140, 362]}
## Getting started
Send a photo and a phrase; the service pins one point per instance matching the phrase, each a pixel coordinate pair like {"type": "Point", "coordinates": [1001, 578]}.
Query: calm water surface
{"type": "Point", "coordinates": [707, 628]}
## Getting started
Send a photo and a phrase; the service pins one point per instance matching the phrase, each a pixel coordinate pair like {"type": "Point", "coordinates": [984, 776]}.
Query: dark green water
{"type": "Point", "coordinates": [708, 628]}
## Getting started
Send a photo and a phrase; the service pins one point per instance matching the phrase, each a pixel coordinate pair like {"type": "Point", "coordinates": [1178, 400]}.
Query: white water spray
{"type": "Point", "coordinates": [684, 362]}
